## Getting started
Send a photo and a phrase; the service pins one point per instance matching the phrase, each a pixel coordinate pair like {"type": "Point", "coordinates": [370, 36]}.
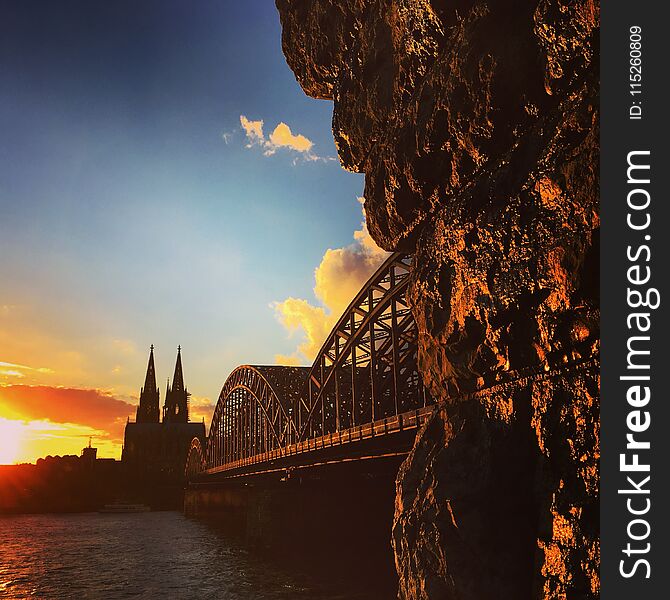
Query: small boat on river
{"type": "Point", "coordinates": [122, 508]}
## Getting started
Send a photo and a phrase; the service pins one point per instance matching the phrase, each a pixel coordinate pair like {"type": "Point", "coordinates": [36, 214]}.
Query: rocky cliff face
{"type": "Point", "coordinates": [476, 124]}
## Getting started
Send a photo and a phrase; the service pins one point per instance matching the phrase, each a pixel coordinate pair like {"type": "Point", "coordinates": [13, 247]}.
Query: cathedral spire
{"type": "Point", "coordinates": [148, 409]}
{"type": "Point", "coordinates": [150, 379]}
{"type": "Point", "coordinates": [178, 379]}
{"type": "Point", "coordinates": [176, 399]}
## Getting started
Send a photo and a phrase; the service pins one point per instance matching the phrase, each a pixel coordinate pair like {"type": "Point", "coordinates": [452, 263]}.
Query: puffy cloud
{"type": "Point", "coordinates": [254, 131]}
{"type": "Point", "coordinates": [281, 137]}
{"type": "Point", "coordinates": [338, 278]}
{"type": "Point", "coordinates": [313, 321]}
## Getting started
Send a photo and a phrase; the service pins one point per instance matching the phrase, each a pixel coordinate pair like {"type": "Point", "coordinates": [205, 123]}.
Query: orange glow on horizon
{"type": "Point", "coordinates": [26, 441]}
{"type": "Point", "coordinates": [41, 420]}
{"type": "Point", "coordinates": [10, 441]}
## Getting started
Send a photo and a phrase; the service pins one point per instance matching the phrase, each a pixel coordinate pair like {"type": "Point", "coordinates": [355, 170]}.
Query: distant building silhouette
{"type": "Point", "coordinates": [61, 483]}
{"type": "Point", "coordinates": [154, 450]}
{"type": "Point", "coordinates": [89, 454]}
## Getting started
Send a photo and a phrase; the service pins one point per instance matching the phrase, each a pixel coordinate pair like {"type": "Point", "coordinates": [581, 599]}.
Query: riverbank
{"type": "Point", "coordinates": [69, 484]}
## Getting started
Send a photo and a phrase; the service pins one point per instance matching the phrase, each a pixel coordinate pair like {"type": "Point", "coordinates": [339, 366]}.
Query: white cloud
{"type": "Point", "coordinates": [253, 130]}
{"type": "Point", "coordinates": [338, 278]}
{"type": "Point", "coordinates": [281, 138]}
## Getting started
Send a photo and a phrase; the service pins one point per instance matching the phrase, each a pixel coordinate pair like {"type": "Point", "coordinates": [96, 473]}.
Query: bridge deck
{"type": "Point", "coordinates": [408, 421]}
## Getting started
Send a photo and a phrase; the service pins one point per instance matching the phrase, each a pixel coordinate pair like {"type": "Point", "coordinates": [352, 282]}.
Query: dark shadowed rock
{"type": "Point", "coordinates": [476, 125]}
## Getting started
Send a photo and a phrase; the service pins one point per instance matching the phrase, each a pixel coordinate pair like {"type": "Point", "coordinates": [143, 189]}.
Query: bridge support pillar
{"type": "Point", "coordinates": [343, 511]}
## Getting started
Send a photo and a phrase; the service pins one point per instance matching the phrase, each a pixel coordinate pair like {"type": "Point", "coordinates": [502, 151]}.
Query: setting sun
{"type": "Point", "coordinates": [10, 441]}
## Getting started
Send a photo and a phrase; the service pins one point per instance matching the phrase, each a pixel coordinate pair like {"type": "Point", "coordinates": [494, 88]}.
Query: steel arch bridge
{"type": "Point", "coordinates": [363, 385]}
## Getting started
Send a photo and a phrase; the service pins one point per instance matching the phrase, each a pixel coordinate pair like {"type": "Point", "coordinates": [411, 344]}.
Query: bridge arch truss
{"type": "Point", "coordinates": [363, 383]}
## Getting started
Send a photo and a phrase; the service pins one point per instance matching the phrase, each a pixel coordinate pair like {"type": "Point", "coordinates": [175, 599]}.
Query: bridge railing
{"type": "Point", "coordinates": [383, 427]}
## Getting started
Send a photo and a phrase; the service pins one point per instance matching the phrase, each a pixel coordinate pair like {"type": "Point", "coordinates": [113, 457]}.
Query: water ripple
{"type": "Point", "coordinates": [149, 555]}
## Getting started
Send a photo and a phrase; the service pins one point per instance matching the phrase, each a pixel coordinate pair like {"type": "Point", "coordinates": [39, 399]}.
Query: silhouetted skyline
{"type": "Point", "coordinates": [143, 202]}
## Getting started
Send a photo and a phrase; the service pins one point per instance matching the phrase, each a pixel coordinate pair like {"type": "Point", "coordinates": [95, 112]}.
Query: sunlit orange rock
{"type": "Point", "coordinates": [476, 125]}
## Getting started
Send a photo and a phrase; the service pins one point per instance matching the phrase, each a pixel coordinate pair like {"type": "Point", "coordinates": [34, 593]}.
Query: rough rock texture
{"type": "Point", "coordinates": [476, 125]}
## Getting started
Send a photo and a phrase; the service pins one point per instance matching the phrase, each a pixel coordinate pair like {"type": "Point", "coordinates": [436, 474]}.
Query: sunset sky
{"type": "Point", "coordinates": [163, 179]}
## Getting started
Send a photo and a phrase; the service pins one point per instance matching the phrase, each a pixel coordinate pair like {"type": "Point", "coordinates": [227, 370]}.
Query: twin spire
{"type": "Point", "coordinates": [178, 379]}
{"type": "Point", "coordinates": [150, 379]}
{"type": "Point", "coordinates": [148, 411]}
{"type": "Point", "coordinates": [175, 409]}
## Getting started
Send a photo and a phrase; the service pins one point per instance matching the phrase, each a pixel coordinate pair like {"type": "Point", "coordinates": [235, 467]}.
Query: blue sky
{"type": "Point", "coordinates": [127, 219]}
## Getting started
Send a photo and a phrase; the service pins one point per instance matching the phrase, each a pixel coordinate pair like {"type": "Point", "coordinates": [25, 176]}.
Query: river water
{"type": "Point", "coordinates": [161, 555]}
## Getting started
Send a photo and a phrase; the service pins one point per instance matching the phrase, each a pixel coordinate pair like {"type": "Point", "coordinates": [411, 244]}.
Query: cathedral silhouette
{"type": "Point", "coordinates": [157, 449]}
